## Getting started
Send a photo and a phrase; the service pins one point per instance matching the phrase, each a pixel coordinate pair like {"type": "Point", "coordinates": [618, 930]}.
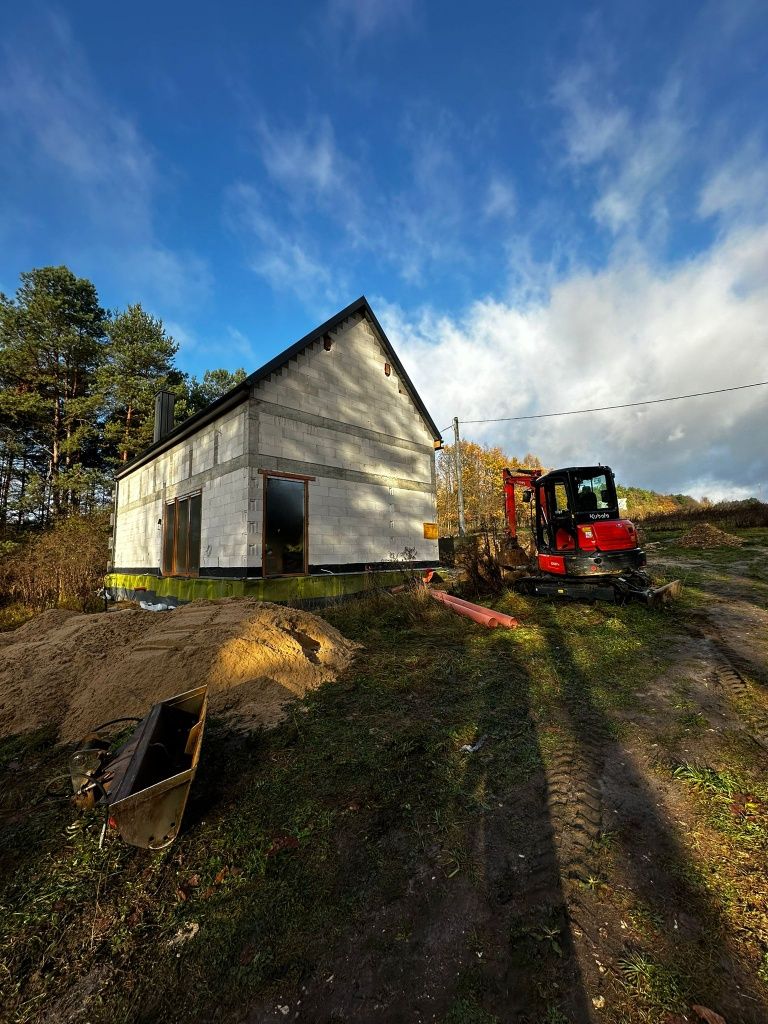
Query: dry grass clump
{"type": "Point", "coordinates": [63, 565]}
{"type": "Point", "coordinates": [704, 535]}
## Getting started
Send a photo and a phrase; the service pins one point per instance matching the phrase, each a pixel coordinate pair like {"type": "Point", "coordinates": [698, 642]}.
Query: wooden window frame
{"type": "Point", "coordinates": [286, 476]}
{"type": "Point", "coordinates": [166, 505]}
{"type": "Point", "coordinates": [306, 480]}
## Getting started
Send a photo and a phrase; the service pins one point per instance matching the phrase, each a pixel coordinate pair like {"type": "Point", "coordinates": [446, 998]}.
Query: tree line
{"type": "Point", "coordinates": [481, 478]}
{"type": "Point", "coordinates": [77, 387]}
{"type": "Point", "coordinates": [481, 484]}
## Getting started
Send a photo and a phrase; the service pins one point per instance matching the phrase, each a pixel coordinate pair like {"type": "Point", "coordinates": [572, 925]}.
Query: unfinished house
{"type": "Point", "coordinates": [314, 472]}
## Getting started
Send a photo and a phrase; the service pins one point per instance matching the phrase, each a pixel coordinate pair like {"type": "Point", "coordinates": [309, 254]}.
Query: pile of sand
{"type": "Point", "coordinates": [704, 535]}
{"type": "Point", "coordinates": [76, 671]}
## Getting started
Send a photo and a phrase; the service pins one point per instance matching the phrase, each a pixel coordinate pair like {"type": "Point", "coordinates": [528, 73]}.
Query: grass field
{"type": "Point", "coordinates": [599, 856]}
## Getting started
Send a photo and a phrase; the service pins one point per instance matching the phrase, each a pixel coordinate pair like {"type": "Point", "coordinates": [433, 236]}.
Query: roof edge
{"type": "Point", "coordinates": [240, 392]}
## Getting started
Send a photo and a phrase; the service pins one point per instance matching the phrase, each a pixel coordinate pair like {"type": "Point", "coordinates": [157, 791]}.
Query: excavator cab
{"type": "Point", "coordinates": [569, 498]}
{"type": "Point", "coordinates": [579, 529]}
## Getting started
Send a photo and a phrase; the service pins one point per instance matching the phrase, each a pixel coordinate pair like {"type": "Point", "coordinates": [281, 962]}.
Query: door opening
{"type": "Point", "coordinates": [285, 526]}
{"type": "Point", "coordinates": [181, 536]}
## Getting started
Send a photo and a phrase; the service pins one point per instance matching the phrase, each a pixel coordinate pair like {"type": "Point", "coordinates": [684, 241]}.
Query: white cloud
{"type": "Point", "coordinates": [53, 114]}
{"type": "Point", "coordinates": [642, 142]}
{"type": "Point", "coordinates": [626, 333]}
{"type": "Point", "coordinates": [594, 125]}
{"type": "Point", "coordinates": [738, 189]}
{"type": "Point", "coordinates": [316, 190]}
{"type": "Point", "coordinates": [419, 224]}
{"type": "Point", "coordinates": [274, 253]}
{"type": "Point", "coordinates": [716, 490]}
{"type": "Point", "coordinates": [240, 349]}
{"type": "Point", "coordinates": [183, 336]}
{"type": "Point", "coordinates": [633, 156]}
{"type": "Point", "coordinates": [309, 180]}
{"type": "Point", "coordinates": [57, 124]}
{"type": "Point", "coordinates": [501, 199]}
{"type": "Point", "coordinates": [634, 186]}
{"type": "Point", "coordinates": [174, 277]}
{"type": "Point", "coordinates": [306, 160]}
{"type": "Point", "coordinates": [365, 18]}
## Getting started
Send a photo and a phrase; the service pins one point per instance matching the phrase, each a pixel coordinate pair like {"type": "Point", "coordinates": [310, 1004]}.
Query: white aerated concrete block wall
{"type": "Point", "coordinates": [332, 415]}
{"type": "Point", "coordinates": [351, 521]}
{"type": "Point", "coordinates": [224, 511]}
{"type": "Point", "coordinates": [354, 522]}
{"type": "Point", "coordinates": [137, 537]}
{"type": "Point", "coordinates": [185, 468]}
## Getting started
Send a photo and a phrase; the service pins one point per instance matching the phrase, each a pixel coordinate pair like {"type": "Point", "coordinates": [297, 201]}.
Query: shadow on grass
{"type": "Point", "coordinates": [689, 954]}
{"type": "Point", "coordinates": [351, 864]}
{"type": "Point", "coordinates": [356, 864]}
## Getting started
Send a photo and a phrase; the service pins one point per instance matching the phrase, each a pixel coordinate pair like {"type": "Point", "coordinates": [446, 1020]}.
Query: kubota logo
{"type": "Point", "coordinates": [599, 515]}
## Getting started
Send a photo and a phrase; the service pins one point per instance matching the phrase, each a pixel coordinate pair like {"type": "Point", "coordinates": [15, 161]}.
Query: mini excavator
{"type": "Point", "coordinates": [584, 549]}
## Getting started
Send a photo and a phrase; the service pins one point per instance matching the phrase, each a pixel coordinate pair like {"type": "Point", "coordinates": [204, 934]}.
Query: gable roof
{"type": "Point", "coordinates": [241, 391]}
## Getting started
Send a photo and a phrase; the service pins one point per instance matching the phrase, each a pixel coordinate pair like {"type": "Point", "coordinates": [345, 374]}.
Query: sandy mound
{"type": "Point", "coordinates": [704, 535]}
{"type": "Point", "coordinates": [76, 671]}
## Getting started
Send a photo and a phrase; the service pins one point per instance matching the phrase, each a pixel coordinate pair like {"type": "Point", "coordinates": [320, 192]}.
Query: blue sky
{"type": "Point", "coordinates": [549, 205]}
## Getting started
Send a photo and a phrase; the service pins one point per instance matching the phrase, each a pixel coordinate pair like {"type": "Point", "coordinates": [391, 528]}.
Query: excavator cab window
{"type": "Point", "coordinates": [556, 529]}
{"type": "Point", "coordinates": [594, 493]}
{"type": "Point", "coordinates": [561, 497]}
{"type": "Point", "coordinates": [542, 518]}
{"type": "Point", "coordinates": [565, 537]}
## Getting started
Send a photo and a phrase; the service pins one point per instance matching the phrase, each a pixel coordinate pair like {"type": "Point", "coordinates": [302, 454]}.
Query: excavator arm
{"type": "Point", "coordinates": [512, 478]}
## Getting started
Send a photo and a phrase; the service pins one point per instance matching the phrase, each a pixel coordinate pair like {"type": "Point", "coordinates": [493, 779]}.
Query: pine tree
{"type": "Point", "coordinates": [138, 364]}
{"type": "Point", "coordinates": [51, 345]}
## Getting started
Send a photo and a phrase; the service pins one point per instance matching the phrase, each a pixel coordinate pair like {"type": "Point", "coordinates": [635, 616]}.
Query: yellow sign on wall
{"type": "Point", "coordinates": [430, 531]}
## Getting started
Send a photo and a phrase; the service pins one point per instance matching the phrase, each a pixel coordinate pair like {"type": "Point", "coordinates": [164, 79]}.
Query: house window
{"type": "Point", "coordinates": [181, 536]}
{"type": "Point", "coordinates": [285, 526]}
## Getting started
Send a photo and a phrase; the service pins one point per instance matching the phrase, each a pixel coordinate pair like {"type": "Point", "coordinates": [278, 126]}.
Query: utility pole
{"type": "Point", "coordinates": [459, 489]}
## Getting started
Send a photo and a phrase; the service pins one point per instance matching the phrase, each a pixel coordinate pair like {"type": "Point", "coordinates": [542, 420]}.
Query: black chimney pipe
{"type": "Point", "coordinates": [164, 403]}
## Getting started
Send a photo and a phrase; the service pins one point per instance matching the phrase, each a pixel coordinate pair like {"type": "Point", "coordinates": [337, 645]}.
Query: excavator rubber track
{"type": "Point", "coordinates": [635, 586]}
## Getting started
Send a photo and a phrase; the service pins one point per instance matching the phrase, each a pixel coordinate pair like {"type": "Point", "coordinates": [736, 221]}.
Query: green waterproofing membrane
{"type": "Point", "coordinates": [130, 586]}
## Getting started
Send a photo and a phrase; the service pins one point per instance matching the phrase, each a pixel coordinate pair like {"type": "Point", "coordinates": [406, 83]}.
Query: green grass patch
{"type": "Point", "coordinates": [723, 783]}
{"type": "Point", "coordinates": [296, 839]}
{"type": "Point", "coordinates": [656, 985]}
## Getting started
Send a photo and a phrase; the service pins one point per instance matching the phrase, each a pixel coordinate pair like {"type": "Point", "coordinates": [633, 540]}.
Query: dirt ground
{"type": "Point", "coordinates": [75, 671]}
{"type": "Point", "coordinates": [600, 856]}
{"type": "Point", "coordinates": [592, 857]}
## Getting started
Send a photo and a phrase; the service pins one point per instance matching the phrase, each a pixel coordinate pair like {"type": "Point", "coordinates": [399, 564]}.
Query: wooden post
{"type": "Point", "coordinates": [459, 489]}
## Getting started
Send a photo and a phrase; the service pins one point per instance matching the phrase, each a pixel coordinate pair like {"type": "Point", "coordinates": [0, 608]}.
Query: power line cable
{"type": "Point", "coordinates": [606, 408]}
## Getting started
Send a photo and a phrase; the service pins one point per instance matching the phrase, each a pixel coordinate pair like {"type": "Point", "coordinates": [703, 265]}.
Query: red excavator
{"type": "Point", "coordinates": [584, 549]}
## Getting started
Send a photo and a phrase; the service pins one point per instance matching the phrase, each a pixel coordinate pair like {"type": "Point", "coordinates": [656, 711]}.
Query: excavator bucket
{"type": "Point", "coordinates": [145, 783]}
{"type": "Point", "coordinates": [656, 596]}
{"type": "Point", "coordinates": [512, 555]}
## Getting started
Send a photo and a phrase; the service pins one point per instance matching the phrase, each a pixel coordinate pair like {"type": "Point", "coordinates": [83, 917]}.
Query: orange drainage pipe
{"type": "Point", "coordinates": [508, 621]}
{"type": "Point", "coordinates": [474, 612]}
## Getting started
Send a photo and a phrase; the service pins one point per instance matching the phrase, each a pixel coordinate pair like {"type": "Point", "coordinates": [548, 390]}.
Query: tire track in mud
{"type": "Point", "coordinates": [574, 801]}
{"type": "Point", "coordinates": [571, 816]}
{"type": "Point", "coordinates": [731, 673]}
{"type": "Point", "coordinates": [728, 677]}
